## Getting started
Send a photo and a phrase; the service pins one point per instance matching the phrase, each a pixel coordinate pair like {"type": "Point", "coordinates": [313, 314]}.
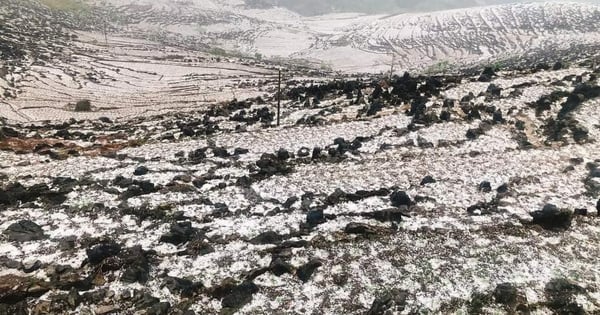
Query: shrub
{"type": "Point", "coordinates": [83, 106]}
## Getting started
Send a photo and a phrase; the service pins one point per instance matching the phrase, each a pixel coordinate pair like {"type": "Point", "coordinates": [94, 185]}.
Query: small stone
{"type": "Point", "coordinates": [31, 266]}
{"type": "Point", "coordinates": [552, 218]}
{"type": "Point", "coordinates": [304, 152]}
{"type": "Point", "coordinates": [100, 252]}
{"type": "Point", "coordinates": [142, 170]}
{"type": "Point", "coordinates": [305, 271]}
{"type": "Point", "coordinates": [24, 231]}
{"type": "Point", "coordinates": [359, 228]}
{"type": "Point", "coordinates": [485, 187]}
{"type": "Point", "coordinates": [239, 296]}
{"type": "Point", "coordinates": [427, 180]}
{"type": "Point", "coordinates": [269, 237]}
{"type": "Point", "coordinates": [400, 198]}
{"type": "Point", "coordinates": [505, 293]}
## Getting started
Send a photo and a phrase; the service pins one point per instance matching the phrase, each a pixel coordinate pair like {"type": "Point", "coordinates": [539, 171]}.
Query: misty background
{"type": "Point", "coordinates": [317, 7]}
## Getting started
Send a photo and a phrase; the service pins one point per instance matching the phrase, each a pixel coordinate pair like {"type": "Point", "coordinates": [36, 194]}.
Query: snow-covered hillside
{"type": "Point", "coordinates": [354, 42]}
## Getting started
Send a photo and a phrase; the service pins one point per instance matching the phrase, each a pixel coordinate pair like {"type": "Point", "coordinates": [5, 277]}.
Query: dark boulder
{"type": "Point", "coordinates": [445, 115]}
{"type": "Point", "coordinates": [183, 287]}
{"type": "Point", "coordinates": [449, 103]}
{"type": "Point", "coordinates": [303, 152]}
{"type": "Point", "coordinates": [494, 90]}
{"type": "Point", "coordinates": [160, 308]}
{"type": "Point", "coordinates": [197, 156]}
{"type": "Point", "coordinates": [316, 153]}
{"type": "Point", "coordinates": [197, 247]}
{"type": "Point", "coordinates": [400, 198]}
{"type": "Point", "coordinates": [279, 267]}
{"type": "Point", "coordinates": [561, 296]}
{"type": "Point", "coordinates": [502, 189]}
{"type": "Point", "coordinates": [552, 218]}
{"type": "Point", "coordinates": [315, 217]}
{"type": "Point", "coordinates": [290, 202]}
{"type": "Point", "coordinates": [136, 263]}
{"type": "Point", "coordinates": [497, 117]}
{"type": "Point", "coordinates": [505, 293]}
{"type": "Point", "coordinates": [427, 180]}
{"type": "Point", "coordinates": [485, 187]}
{"type": "Point", "coordinates": [474, 133]}
{"type": "Point", "coordinates": [102, 251]}
{"type": "Point", "coordinates": [270, 165]}
{"type": "Point", "coordinates": [580, 133]}
{"type": "Point", "coordinates": [14, 289]}
{"type": "Point", "coordinates": [9, 132]}
{"type": "Point", "coordinates": [360, 228]}
{"type": "Point", "coordinates": [141, 170]}
{"type": "Point", "coordinates": [179, 233]}
{"type": "Point", "coordinates": [283, 154]}
{"type": "Point", "coordinates": [24, 231]}
{"type": "Point", "coordinates": [269, 237]}
{"type": "Point", "coordinates": [306, 271]}
{"type": "Point", "coordinates": [240, 151]}
{"type": "Point", "coordinates": [394, 301]}
{"type": "Point", "coordinates": [220, 152]}
{"type": "Point", "coordinates": [239, 295]}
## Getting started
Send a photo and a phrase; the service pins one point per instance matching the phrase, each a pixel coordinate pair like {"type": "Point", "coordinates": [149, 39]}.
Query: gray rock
{"type": "Point", "coordinates": [24, 231]}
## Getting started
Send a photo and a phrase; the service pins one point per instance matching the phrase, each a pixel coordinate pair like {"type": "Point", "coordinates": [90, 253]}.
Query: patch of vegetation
{"type": "Point", "coordinates": [65, 5]}
{"type": "Point", "coordinates": [439, 68]}
{"type": "Point", "coordinates": [83, 106]}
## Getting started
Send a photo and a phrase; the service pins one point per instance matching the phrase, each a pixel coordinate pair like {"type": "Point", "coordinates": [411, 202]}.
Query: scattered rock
{"type": "Point", "coordinates": [485, 187]}
{"type": "Point", "coordinates": [179, 233]}
{"type": "Point", "coordinates": [279, 267]}
{"type": "Point", "coordinates": [183, 287]}
{"type": "Point", "coordinates": [270, 165]}
{"type": "Point", "coordinates": [393, 301]}
{"type": "Point", "coordinates": [506, 293]}
{"type": "Point", "coordinates": [305, 271]}
{"type": "Point", "coordinates": [303, 152]}
{"type": "Point", "coordinates": [561, 296]}
{"type": "Point", "coordinates": [552, 218]}
{"type": "Point", "coordinates": [239, 295]}
{"type": "Point", "coordinates": [268, 237]}
{"type": "Point", "coordinates": [400, 198]}
{"type": "Point", "coordinates": [14, 289]}
{"type": "Point", "coordinates": [360, 228]}
{"type": "Point", "coordinates": [141, 170]}
{"type": "Point", "coordinates": [315, 217]}
{"type": "Point", "coordinates": [102, 251]}
{"type": "Point", "coordinates": [221, 152]}
{"type": "Point", "coordinates": [427, 180]}
{"type": "Point", "coordinates": [24, 231]}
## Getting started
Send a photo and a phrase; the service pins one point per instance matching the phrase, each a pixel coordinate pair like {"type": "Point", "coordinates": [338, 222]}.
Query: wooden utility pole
{"type": "Point", "coordinates": [392, 66]}
{"type": "Point", "coordinates": [279, 98]}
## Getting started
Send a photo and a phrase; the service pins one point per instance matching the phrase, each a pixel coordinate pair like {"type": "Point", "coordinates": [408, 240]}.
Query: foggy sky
{"type": "Point", "coordinates": [315, 7]}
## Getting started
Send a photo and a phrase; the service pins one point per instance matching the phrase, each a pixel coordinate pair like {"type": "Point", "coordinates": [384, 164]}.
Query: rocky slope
{"type": "Point", "coordinates": [413, 195]}
{"type": "Point", "coordinates": [143, 173]}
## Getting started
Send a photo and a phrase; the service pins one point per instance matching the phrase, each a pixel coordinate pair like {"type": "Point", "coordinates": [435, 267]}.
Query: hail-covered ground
{"type": "Point", "coordinates": [141, 176]}
{"type": "Point", "coordinates": [414, 195]}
